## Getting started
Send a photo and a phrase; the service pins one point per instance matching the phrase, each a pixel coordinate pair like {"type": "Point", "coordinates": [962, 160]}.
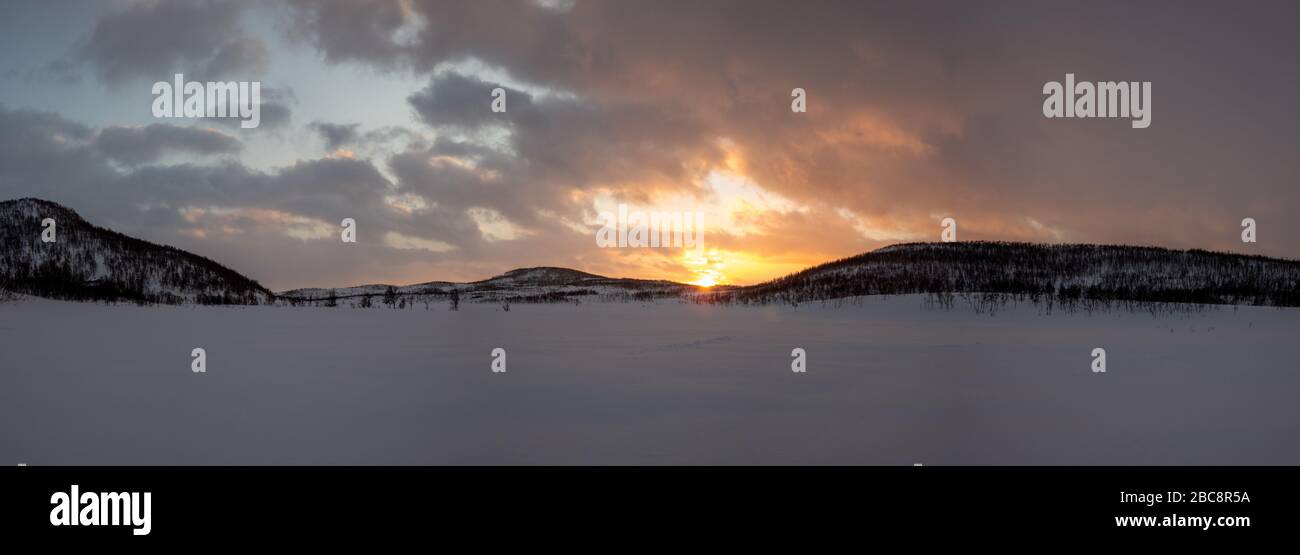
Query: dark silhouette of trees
{"type": "Point", "coordinates": [1067, 275]}
{"type": "Point", "coordinates": [92, 263]}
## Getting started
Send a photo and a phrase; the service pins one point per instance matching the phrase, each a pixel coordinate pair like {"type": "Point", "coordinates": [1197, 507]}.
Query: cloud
{"type": "Point", "coordinates": [336, 135]}
{"type": "Point", "coordinates": [45, 155]}
{"type": "Point", "coordinates": [135, 145]}
{"type": "Point", "coordinates": [917, 111]}
{"type": "Point", "coordinates": [238, 56]}
{"type": "Point", "coordinates": [279, 225]}
{"type": "Point", "coordinates": [551, 145]}
{"type": "Point", "coordinates": [276, 111]}
{"type": "Point", "coordinates": [151, 40]}
{"type": "Point", "coordinates": [456, 100]}
{"type": "Point", "coordinates": [914, 109]}
{"type": "Point", "coordinates": [365, 30]}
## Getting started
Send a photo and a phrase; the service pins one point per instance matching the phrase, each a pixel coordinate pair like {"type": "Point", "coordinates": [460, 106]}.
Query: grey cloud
{"type": "Point", "coordinates": [153, 40]}
{"type": "Point", "coordinates": [453, 189]}
{"type": "Point", "coordinates": [381, 143]}
{"type": "Point", "coordinates": [533, 34]}
{"type": "Point", "coordinates": [330, 186]}
{"type": "Point", "coordinates": [276, 111]}
{"type": "Point", "coordinates": [363, 30]}
{"type": "Point", "coordinates": [555, 144]}
{"type": "Point", "coordinates": [275, 114]}
{"type": "Point", "coordinates": [141, 145]}
{"type": "Point", "coordinates": [395, 135]}
{"type": "Point", "coordinates": [45, 155]}
{"type": "Point", "coordinates": [336, 134]}
{"type": "Point", "coordinates": [30, 130]}
{"type": "Point", "coordinates": [243, 56]}
{"type": "Point", "coordinates": [456, 100]}
{"type": "Point", "coordinates": [326, 188]}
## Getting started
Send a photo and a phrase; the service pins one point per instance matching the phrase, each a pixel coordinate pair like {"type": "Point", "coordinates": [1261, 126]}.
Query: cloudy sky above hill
{"type": "Point", "coordinates": [379, 110]}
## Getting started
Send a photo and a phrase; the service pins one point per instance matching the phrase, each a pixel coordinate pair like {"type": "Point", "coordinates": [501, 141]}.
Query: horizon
{"type": "Point", "coordinates": [386, 115]}
{"type": "Point", "coordinates": [503, 273]}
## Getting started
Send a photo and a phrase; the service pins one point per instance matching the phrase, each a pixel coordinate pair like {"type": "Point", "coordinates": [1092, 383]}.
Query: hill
{"type": "Point", "coordinates": [1068, 274]}
{"type": "Point", "coordinates": [86, 263]}
{"type": "Point", "coordinates": [523, 285]}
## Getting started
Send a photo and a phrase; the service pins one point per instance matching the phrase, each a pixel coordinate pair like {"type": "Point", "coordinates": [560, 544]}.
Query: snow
{"type": "Point", "coordinates": [888, 382]}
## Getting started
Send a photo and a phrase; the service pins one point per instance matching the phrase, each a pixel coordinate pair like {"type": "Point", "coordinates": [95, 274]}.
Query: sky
{"type": "Point", "coordinates": [380, 111]}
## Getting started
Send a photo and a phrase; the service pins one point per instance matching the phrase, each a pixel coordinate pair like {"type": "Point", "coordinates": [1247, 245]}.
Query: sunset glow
{"type": "Point", "coordinates": [462, 156]}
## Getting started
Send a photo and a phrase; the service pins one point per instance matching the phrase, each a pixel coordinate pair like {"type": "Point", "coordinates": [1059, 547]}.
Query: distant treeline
{"type": "Point", "coordinates": [92, 263]}
{"type": "Point", "coordinates": [1067, 275]}
{"type": "Point", "coordinates": [470, 295]}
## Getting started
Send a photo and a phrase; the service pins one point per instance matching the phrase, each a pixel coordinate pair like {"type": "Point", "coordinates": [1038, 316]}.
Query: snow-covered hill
{"type": "Point", "coordinates": [542, 284]}
{"type": "Point", "coordinates": [86, 262]}
{"type": "Point", "coordinates": [92, 263]}
{"type": "Point", "coordinates": [1068, 274]}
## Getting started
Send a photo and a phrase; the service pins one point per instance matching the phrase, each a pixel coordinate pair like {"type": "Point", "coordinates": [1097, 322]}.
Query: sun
{"type": "Point", "coordinates": [707, 267]}
{"type": "Point", "coordinates": [706, 281]}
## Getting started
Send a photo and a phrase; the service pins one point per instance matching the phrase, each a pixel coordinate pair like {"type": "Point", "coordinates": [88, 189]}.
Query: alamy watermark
{"type": "Point", "coordinates": [349, 233]}
{"type": "Point", "coordinates": [1103, 99]}
{"type": "Point", "coordinates": [215, 99]}
{"type": "Point", "coordinates": [1099, 361]}
{"type": "Point", "coordinates": [635, 228]}
{"type": "Point", "coordinates": [498, 360]}
{"type": "Point", "coordinates": [199, 362]}
{"type": "Point", "coordinates": [74, 508]}
{"type": "Point", "coordinates": [948, 234]}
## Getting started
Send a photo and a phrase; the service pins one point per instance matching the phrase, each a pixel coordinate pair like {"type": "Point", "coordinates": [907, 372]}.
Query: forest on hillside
{"type": "Point", "coordinates": [89, 263]}
{"type": "Point", "coordinates": [1065, 275]}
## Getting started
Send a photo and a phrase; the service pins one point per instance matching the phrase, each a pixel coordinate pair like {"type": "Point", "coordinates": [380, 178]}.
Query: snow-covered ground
{"type": "Point", "coordinates": [888, 382]}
